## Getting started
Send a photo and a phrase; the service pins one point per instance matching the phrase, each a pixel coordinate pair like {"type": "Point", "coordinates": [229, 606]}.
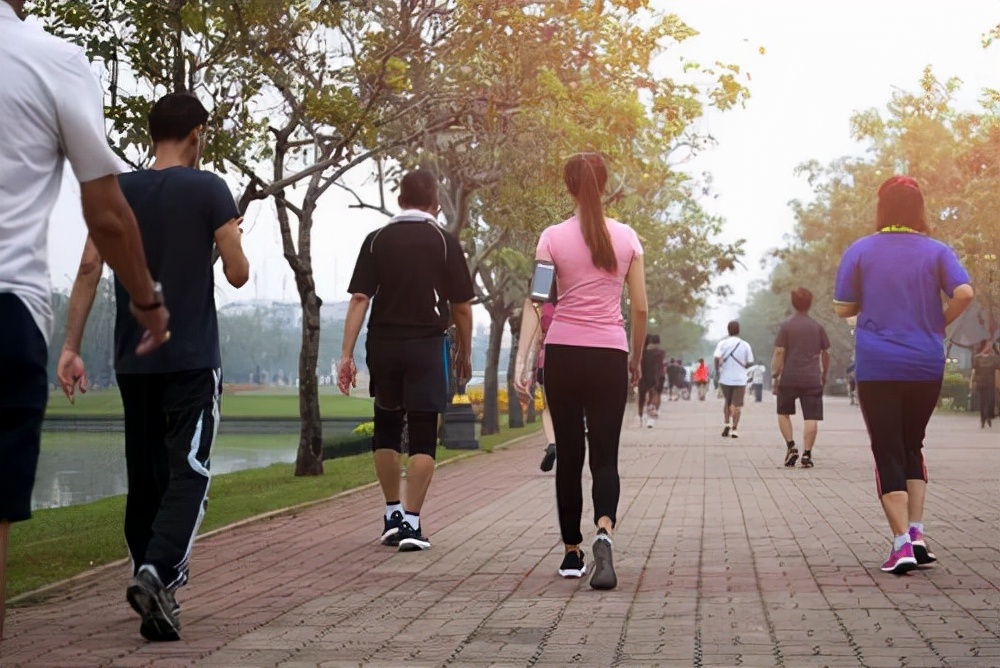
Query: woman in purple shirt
{"type": "Point", "coordinates": [587, 363]}
{"type": "Point", "coordinates": [892, 281]}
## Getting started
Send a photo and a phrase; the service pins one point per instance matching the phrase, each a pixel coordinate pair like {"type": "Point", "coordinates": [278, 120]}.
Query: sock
{"type": "Point", "coordinates": [919, 526]}
{"type": "Point", "coordinates": [391, 507]}
{"type": "Point", "coordinates": [901, 540]}
{"type": "Point", "coordinates": [791, 444]}
{"type": "Point", "coordinates": [413, 519]}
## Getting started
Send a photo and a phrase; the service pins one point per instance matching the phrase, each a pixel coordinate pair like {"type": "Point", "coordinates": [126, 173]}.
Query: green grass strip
{"type": "Point", "coordinates": [62, 542]}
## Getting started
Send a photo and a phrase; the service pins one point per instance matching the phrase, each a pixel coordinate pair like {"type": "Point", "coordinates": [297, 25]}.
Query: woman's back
{"type": "Point", "coordinates": [589, 312]}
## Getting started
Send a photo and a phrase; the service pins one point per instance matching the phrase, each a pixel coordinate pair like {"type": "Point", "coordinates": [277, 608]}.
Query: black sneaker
{"type": "Point", "coordinates": [791, 456]}
{"type": "Point", "coordinates": [604, 567]}
{"type": "Point", "coordinates": [157, 606]}
{"type": "Point", "coordinates": [550, 457]}
{"type": "Point", "coordinates": [410, 539]}
{"type": "Point", "coordinates": [725, 432]}
{"type": "Point", "coordinates": [390, 530]}
{"type": "Point", "coordinates": [807, 460]}
{"type": "Point", "coordinates": [573, 565]}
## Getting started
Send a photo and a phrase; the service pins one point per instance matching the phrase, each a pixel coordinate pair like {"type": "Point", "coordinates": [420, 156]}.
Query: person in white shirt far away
{"type": "Point", "coordinates": [733, 357]}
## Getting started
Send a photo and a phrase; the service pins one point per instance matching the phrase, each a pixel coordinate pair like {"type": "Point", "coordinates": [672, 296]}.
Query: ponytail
{"type": "Point", "coordinates": [586, 175]}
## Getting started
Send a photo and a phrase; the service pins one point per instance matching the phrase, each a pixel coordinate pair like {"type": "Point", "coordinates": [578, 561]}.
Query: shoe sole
{"type": "Point", "coordinates": [604, 576]}
{"type": "Point", "coordinates": [923, 555]}
{"type": "Point", "coordinates": [806, 465]}
{"type": "Point", "coordinates": [413, 545]}
{"type": "Point", "coordinates": [573, 572]}
{"type": "Point", "coordinates": [155, 627]}
{"type": "Point", "coordinates": [902, 567]}
{"type": "Point", "coordinates": [389, 537]}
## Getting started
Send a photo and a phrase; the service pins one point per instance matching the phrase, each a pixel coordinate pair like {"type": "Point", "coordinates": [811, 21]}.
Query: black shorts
{"type": "Point", "coordinates": [24, 392]}
{"type": "Point", "coordinates": [409, 374]}
{"type": "Point", "coordinates": [811, 399]}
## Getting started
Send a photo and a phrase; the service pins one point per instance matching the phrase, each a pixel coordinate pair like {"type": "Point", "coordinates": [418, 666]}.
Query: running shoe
{"type": "Point", "coordinates": [604, 567]}
{"type": "Point", "coordinates": [410, 539]}
{"type": "Point", "coordinates": [807, 460]}
{"type": "Point", "coordinates": [791, 456]}
{"type": "Point", "coordinates": [390, 530]}
{"type": "Point", "coordinates": [157, 606]}
{"type": "Point", "coordinates": [900, 561]}
{"type": "Point", "coordinates": [549, 459]}
{"type": "Point", "coordinates": [920, 551]}
{"type": "Point", "coordinates": [725, 432]}
{"type": "Point", "coordinates": [573, 564]}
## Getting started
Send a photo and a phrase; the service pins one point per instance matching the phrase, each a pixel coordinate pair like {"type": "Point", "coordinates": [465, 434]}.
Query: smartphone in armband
{"type": "Point", "coordinates": [543, 282]}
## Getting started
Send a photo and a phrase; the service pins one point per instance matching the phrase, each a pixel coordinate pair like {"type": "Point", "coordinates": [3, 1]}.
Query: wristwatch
{"type": "Point", "coordinates": [157, 299]}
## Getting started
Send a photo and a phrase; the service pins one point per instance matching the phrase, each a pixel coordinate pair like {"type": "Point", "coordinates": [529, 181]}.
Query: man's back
{"type": "Point", "coordinates": [50, 109]}
{"type": "Point", "coordinates": [735, 356]}
{"type": "Point", "coordinates": [178, 210]}
{"type": "Point", "coordinates": [803, 340]}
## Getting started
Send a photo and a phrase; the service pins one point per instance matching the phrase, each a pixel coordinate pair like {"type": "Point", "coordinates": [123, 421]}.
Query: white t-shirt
{"type": "Point", "coordinates": [51, 106]}
{"type": "Point", "coordinates": [757, 374]}
{"type": "Point", "coordinates": [733, 369]}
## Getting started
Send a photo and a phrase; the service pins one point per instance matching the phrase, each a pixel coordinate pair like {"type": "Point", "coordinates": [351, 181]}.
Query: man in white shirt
{"type": "Point", "coordinates": [733, 357]}
{"type": "Point", "coordinates": [52, 110]}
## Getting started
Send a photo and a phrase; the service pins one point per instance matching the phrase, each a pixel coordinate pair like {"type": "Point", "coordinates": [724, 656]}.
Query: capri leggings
{"type": "Point", "coordinates": [896, 414]}
{"type": "Point", "coordinates": [592, 384]}
{"type": "Point", "coordinates": [421, 429]}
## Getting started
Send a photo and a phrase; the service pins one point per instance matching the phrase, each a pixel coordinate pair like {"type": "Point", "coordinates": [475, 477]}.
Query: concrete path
{"type": "Point", "coordinates": [724, 558]}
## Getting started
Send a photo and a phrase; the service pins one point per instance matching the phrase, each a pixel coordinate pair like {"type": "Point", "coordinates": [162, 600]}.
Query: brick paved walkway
{"type": "Point", "coordinates": [724, 557]}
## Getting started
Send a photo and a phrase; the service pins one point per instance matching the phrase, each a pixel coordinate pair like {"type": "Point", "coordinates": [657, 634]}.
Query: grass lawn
{"type": "Point", "coordinates": [108, 403]}
{"type": "Point", "coordinates": [61, 542]}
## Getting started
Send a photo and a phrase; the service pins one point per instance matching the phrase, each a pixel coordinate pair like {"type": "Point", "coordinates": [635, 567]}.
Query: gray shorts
{"type": "Point", "coordinates": [733, 394]}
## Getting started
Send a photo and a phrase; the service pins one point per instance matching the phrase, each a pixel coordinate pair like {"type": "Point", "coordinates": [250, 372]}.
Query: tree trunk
{"type": "Point", "coordinates": [515, 415]}
{"type": "Point", "coordinates": [309, 460]}
{"type": "Point", "coordinates": [491, 408]}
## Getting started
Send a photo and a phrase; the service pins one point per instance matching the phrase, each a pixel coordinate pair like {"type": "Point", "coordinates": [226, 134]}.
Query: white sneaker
{"type": "Point", "coordinates": [733, 434]}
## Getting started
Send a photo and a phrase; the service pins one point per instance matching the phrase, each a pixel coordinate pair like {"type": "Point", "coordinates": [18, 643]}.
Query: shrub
{"type": "Point", "coordinates": [954, 391]}
{"type": "Point", "coordinates": [364, 429]}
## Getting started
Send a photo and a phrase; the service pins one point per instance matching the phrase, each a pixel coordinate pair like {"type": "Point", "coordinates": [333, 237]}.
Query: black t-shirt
{"type": "Point", "coordinates": [413, 270]}
{"type": "Point", "coordinates": [652, 364]}
{"type": "Point", "coordinates": [178, 211]}
{"type": "Point", "coordinates": [803, 340]}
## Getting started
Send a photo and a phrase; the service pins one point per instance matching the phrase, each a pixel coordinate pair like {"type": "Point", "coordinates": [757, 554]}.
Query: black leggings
{"type": "Point", "coordinates": [896, 414]}
{"type": "Point", "coordinates": [589, 383]}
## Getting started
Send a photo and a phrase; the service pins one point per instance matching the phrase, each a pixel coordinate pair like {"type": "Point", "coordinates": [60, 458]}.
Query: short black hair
{"type": "Point", "coordinates": [802, 300]}
{"type": "Point", "coordinates": [418, 189]}
{"type": "Point", "coordinates": [174, 116]}
{"type": "Point", "coordinates": [733, 327]}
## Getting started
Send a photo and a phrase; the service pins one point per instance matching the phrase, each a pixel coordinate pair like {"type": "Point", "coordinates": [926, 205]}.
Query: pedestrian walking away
{"type": "Point", "coordinates": [170, 397]}
{"type": "Point", "coordinates": [893, 281]}
{"type": "Point", "coordinates": [983, 383]}
{"type": "Point", "coordinates": [733, 356]}
{"type": "Point", "coordinates": [651, 384]}
{"type": "Point", "coordinates": [587, 360]}
{"type": "Point", "coordinates": [53, 112]}
{"type": "Point", "coordinates": [415, 277]}
{"type": "Point", "coordinates": [757, 372]}
{"type": "Point", "coordinates": [800, 365]}
{"type": "Point", "coordinates": [701, 378]}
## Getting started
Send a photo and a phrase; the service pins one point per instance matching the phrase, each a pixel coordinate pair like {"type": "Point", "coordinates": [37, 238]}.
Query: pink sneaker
{"type": "Point", "coordinates": [900, 561]}
{"type": "Point", "coordinates": [920, 551]}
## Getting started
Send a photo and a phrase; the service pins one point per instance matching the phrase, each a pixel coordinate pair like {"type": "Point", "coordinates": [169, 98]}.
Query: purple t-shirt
{"type": "Point", "coordinates": [897, 279]}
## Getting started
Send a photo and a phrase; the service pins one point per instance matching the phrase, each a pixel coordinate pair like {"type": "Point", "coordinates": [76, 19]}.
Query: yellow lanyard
{"type": "Point", "coordinates": [899, 228]}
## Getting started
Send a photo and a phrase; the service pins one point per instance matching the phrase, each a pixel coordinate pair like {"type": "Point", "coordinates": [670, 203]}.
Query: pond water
{"type": "Point", "coordinates": [80, 468]}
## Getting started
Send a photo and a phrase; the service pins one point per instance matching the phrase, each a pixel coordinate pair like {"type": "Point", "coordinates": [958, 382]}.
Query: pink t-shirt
{"type": "Point", "coordinates": [590, 310]}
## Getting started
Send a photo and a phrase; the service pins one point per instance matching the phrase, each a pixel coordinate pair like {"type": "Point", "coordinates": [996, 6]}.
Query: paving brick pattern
{"type": "Point", "coordinates": [724, 558]}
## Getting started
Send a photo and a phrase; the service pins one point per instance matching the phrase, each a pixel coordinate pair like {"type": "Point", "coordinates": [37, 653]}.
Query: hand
{"type": "Point", "coordinates": [635, 370]}
{"type": "Point", "coordinates": [347, 375]}
{"type": "Point", "coordinates": [155, 325]}
{"type": "Point", "coordinates": [71, 373]}
{"type": "Point", "coordinates": [463, 368]}
{"type": "Point", "coordinates": [522, 381]}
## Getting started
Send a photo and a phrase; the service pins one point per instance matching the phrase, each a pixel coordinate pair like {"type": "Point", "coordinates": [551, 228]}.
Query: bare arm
{"type": "Point", "coordinates": [347, 373]}
{"type": "Point", "coordinates": [960, 300]}
{"type": "Point", "coordinates": [228, 239]}
{"type": "Point", "coordinates": [825, 362]}
{"type": "Point", "coordinates": [461, 315]}
{"type": "Point", "coordinates": [777, 362]}
{"type": "Point", "coordinates": [846, 309]}
{"type": "Point", "coordinates": [636, 281]}
{"type": "Point", "coordinates": [527, 345]}
{"type": "Point", "coordinates": [70, 369]}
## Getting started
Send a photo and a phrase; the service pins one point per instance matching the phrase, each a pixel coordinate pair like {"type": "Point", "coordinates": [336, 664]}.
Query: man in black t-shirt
{"type": "Point", "coordinates": [415, 275]}
{"type": "Point", "coordinates": [800, 365]}
{"type": "Point", "coordinates": [171, 396]}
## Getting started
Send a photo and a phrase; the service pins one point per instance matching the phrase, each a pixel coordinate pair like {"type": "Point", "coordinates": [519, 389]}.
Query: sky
{"type": "Point", "coordinates": [822, 61]}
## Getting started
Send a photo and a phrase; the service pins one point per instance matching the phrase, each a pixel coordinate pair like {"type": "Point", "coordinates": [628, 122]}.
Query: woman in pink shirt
{"type": "Point", "coordinates": [588, 369]}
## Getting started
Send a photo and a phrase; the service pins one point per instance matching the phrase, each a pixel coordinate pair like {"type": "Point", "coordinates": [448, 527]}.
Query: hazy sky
{"type": "Point", "coordinates": [823, 60]}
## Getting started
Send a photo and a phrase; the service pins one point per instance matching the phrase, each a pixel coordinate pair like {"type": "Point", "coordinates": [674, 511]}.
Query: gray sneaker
{"type": "Point", "coordinates": [157, 606]}
{"type": "Point", "coordinates": [604, 567]}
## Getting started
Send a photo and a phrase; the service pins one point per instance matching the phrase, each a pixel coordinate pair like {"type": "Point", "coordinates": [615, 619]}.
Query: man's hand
{"type": "Point", "coordinates": [635, 370]}
{"type": "Point", "coordinates": [347, 375]}
{"type": "Point", "coordinates": [155, 323]}
{"type": "Point", "coordinates": [463, 368]}
{"type": "Point", "coordinates": [71, 373]}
